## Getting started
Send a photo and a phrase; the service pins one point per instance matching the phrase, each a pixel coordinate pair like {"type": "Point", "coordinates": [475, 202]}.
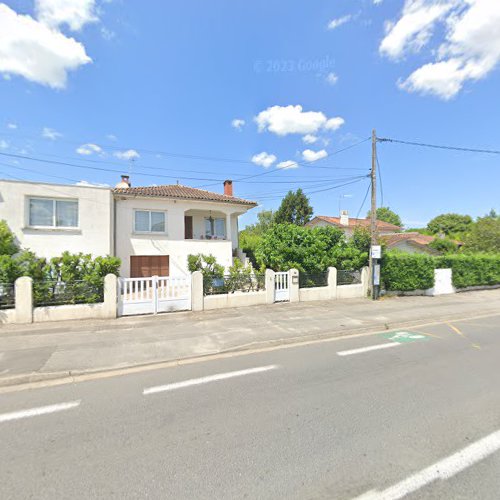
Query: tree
{"type": "Point", "coordinates": [483, 236]}
{"type": "Point", "coordinates": [444, 245]}
{"type": "Point", "coordinates": [264, 220]}
{"type": "Point", "coordinates": [8, 244]}
{"type": "Point", "coordinates": [294, 209]}
{"type": "Point", "coordinates": [387, 215]}
{"type": "Point", "coordinates": [310, 250]}
{"type": "Point", "coordinates": [450, 224]}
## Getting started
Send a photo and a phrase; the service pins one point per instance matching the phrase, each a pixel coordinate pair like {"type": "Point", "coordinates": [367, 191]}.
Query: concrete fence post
{"type": "Point", "coordinates": [110, 296]}
{"type": "Point", "coordinates": [269, 277]}
{"type": "Point", "coordinates": [365, 280]}
{"type": "Point", "coordinates": [197, 291]}
{"type": "Point", "coordinates": [332, 282]}
{"type": "Point", "coordinates": [293, 276]}
{"type": "Point", "coordinates": [24, 299]}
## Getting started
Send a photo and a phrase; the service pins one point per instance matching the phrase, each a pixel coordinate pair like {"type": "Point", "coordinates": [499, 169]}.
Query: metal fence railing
{"type": "Point", "coordinates": [55, 293]}
{"type": "Point", "coordinates": [7, 296]}
{"type": "Point", "coordinates": [233, 283]}
{"type": "Point", "coordinates": [313, 280]}
{"type": "Point", "coordinates": [348, 277]}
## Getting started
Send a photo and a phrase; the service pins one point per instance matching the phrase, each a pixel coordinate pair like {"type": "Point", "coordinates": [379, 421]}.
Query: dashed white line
{"type": "Point", "coordinates": [211, 378]}
{"type": "Point", "coordinates": [41, 410]}
{"type": "Point", "coordinates": [367, 349]}
{"type": "Point", "coordinates": [444, 469]}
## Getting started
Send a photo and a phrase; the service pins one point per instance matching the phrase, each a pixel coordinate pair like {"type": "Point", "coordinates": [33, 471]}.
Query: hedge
{"type": "Point", "coordinates": [406, 272]}
{"type": "Point", "coordinates": [472, 269]}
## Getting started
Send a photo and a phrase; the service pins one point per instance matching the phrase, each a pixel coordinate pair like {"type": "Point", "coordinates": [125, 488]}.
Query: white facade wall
{"type": "Point", "coordinates": [93, 235]}
{"type": "Point", "coordinates": [173, 242]}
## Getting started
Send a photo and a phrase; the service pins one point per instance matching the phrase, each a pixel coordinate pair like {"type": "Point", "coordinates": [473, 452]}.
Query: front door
{"type": "Point", "coordinates": [145, 266]}
{"type": "Point", "coordinates": [188, 227]}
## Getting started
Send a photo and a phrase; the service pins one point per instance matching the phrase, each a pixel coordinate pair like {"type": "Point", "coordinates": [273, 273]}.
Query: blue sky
{"type": "Point", "coordinates": [95, 84]}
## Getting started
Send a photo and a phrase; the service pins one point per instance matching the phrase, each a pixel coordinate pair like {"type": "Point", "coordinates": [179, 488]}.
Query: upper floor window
{"type": "Point", "coordinates": [215, 227]}
{"type": "Point", "coordinates": [48, 212]}
{"type": "Point", "coordinates": [147, 221]}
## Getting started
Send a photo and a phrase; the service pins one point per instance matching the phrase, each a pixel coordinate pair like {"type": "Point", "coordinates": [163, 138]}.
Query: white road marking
{"type": "Point", "coordinates": [444, 469]}
{"type": "Point", "coordinates": [367, 349]}
{"type": "Point", "coordinates": [41, 410]}
{"type": "Point", "coordinates": [210, 378]}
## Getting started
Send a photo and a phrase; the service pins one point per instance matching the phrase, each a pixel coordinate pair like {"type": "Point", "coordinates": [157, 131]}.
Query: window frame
{"type": "Point", "coordinates": [54, 226]}
{"type": "Point", "coordinates": [214, 235]}
{"type": "Point", "coordinates": [150, 231]}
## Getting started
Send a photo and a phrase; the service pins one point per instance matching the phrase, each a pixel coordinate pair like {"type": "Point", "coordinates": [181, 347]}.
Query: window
{"type": "Point", "coordinates": [215, 228]}
{"type": "Point", "coordinates": [46, 212]}
{"type": "Point", "coordinates": [147, 221]}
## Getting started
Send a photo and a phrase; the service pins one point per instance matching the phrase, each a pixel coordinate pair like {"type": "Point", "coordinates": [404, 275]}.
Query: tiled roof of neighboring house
{"type": "Point", "coordinates": [180, 192]}
{"type": "Point", "coordinates": [417, 238]}
{"type": "Point", "coordinates": [381, 225]}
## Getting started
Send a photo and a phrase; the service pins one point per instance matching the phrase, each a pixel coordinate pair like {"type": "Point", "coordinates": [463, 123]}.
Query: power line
{"type": "Point", "coordinates": [364, 200]}
{"type": "Point", "coordinates": [437, 146]}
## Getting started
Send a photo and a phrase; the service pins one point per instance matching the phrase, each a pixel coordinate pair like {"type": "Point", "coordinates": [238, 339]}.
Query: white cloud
{"type": "Point", "coordinates": [50, 133]}
{"type": "Point", "coordinates": [285, 165]}
{"type": "Point", "coordinates": [470, 49]}
{"type": "Point", "coordinates": [339, 21]}
{"type": "Point", "coordinates": [377, 2]}
{"type": "Point", "coordinates": [3, 144]}
{"type": "Point", "coordinates": [264, 159]}
{"type": "Point", "coordinates": [284, 120]}
{"type": "Point", "coordinates": [88, 149]}
{"type": "Point", "coordinates": [12, 126]}
{"type": "Point", "coordinates": [334, 123]}
{"type": "Point", "coordinates": [130, 154]}
{"type": "Point", "coordinates": [310, 155]}
{"type": "Point", "coordinates": [414, 29]}
{"type": "Point", "coordinates": [310, 139]}
{"type": "Point", "coordinates": [332, 78]}
{"type": "Point", "coordinates": [90, 184]}
{"type": "Point", "coordinates": [238, 123]}
{"type": "Point", "coordinates": [31, 49]}
{"type": "Point", "coordinates": [111, 137]}
{"type": "Point", "coordinates": [73, 13]}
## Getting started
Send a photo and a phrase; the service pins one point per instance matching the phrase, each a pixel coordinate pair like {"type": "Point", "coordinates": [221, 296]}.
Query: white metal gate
{"type": "Point", "coordinates": [153, 295]}
{"type": "Point", "coordinates": [281, 287]}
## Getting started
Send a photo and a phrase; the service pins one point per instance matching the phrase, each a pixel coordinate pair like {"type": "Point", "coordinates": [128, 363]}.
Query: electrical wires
{"type": "Point", "coordinates": [437, 146]}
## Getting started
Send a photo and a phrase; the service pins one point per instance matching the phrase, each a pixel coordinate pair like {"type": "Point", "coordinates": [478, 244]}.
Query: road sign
{"type": "Point", "coordinates": [376, 252]}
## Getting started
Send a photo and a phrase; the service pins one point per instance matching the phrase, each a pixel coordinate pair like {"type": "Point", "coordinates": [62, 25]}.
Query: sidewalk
{"type": "Point", "coordinates": [43, 351]}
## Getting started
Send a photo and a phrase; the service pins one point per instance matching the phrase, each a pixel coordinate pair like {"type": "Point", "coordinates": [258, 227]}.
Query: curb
{"type": "Point", "coordinates": [47, 379]}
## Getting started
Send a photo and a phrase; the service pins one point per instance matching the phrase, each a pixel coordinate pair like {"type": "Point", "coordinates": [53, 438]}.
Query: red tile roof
{"type": "Point", "coordinates": [381, 225]}
{"type": "Point", "coordinates": [178, 191]}
{"type": "Point", "coordinates": [419, 239]}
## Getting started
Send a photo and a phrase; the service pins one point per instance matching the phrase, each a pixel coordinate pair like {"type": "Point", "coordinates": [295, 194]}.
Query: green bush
{"type": "Point", "coordinates": [472, 269]}
{"type": "Point", "coordinates": [407, 272]}
{"type": "Point", "coordinates": [8, 245]}
{"type": "Point", "coordinates": [310, 250]}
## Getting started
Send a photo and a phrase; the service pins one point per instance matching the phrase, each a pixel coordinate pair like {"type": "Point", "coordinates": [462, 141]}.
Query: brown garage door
{"type": "Point", "coordinates": [145, 266]}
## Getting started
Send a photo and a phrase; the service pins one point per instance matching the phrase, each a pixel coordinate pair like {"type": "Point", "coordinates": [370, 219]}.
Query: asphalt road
{"type": "Point", "coordinates": [404, 414]}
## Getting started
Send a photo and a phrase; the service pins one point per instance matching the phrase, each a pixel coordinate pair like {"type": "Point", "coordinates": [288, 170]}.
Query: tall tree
{"type": "Point", "coordinates": [449, 224]}
{"type": "Point", "coordinates": [264, 220]}
{"type": "Point", "coordinates": [484, 235]}
{"type": "Point", "coordinates": [294, 209]}
{"type": "Point", "coordinates": [387, 215]}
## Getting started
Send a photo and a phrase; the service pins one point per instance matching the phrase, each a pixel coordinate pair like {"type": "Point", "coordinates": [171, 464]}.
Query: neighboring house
{"type": "Point", "coordinates": [410, 243]}
{"type": "Point", "coordinates": [151, 229]}
{"type": "Point", "coordinates": [348, 224]}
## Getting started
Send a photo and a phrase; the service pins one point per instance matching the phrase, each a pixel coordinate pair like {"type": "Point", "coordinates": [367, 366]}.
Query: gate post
{"type": "Point", "coordinates": [110, 296]}
{"type": "Point", "coordinates": [155, 294]}
{"type": "Point", "coordinates": [197, 291]}
{"type": "Point", "coordinates": [269, 286]}
{"type": "Point", "coordinates": [293, 285]}
{"type": "Point", "coordinates": [332, 282]}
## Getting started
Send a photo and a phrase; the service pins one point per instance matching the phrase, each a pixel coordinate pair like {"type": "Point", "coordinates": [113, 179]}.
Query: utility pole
{"type": "Point", "coordinates": [373, 261]}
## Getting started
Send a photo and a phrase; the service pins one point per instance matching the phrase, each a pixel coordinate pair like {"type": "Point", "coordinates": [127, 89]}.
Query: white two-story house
{"type": "Point", "coordinates": [151, 229]}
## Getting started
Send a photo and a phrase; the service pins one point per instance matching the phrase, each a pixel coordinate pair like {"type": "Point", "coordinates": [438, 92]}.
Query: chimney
{"type": "Point", "coordinates": [228, 188]}
{"type": "Point", "coordinates": [344, 217]}
{"type": "Point", "coordinates": [124, 183]}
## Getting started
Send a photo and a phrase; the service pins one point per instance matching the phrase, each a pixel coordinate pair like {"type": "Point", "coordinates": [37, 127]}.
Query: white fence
{"type": "Point", "coordinates": [153, 295]}
{"type": "Point", "coordinates": [282, 287]}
